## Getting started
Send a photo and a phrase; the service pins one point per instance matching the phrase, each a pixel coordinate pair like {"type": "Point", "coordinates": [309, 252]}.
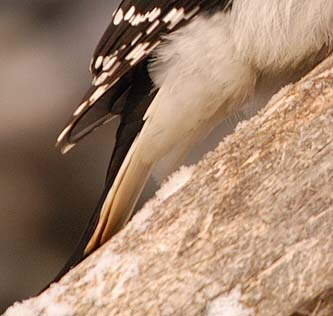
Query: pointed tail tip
{"type": "Point", "coordinates": [66, 148]}
{"type": "Point", "coordinates": [63, 141]}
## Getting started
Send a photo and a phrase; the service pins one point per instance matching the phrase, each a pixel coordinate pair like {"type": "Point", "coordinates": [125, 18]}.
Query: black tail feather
{"type": "Point", "coordinates": [132, 111]}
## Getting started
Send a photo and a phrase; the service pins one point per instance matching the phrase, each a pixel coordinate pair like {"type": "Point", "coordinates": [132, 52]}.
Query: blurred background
{"type": "Point", "coordinates": [45, 198]}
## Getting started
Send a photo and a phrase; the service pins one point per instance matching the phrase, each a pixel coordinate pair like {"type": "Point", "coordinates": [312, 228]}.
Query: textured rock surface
{"type": "Point", "coordinates": [249, 231]}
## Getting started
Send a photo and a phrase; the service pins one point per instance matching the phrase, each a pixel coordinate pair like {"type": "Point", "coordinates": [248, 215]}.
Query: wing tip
{"type": "Point", "coordinates": [63, 140]}
{"type": "Point", "coordinates": [66, 148]}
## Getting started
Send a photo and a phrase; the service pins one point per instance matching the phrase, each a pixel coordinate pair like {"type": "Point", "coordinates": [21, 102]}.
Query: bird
{"type": "Point", "coordinates": [174, 70]}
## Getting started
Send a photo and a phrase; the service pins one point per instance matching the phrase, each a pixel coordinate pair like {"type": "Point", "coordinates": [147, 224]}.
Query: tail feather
{"type": "Point", "coordinates": [127, 172]}
{"type": "Point", "coordinates": [114, 209]}
{"type": "Point", "coordinates": [121, 199]}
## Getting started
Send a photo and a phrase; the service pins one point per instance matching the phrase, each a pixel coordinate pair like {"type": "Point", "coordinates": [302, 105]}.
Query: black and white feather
{"type": "Point", "coordinates": [137, 28]}
{"type": "Point", "coordinates": [172, 71]}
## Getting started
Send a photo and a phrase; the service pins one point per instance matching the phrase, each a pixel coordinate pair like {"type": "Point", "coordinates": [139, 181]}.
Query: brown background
{"type": "Point", "coordinates": [45, 197]}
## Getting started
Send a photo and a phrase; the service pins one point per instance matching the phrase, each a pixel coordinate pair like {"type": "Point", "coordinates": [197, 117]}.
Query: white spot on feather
{"type": "Point", "coordinates": [137, 52]}
{"type": "Point", "coordinates": [66, 148]}
{"type": "Point", "coordinates": [101, 78]}
{"type": "Point", "coordinates": [137, 19]}
{"type": "Point", "coordinates": [99, 62]}
{"type": "Point", "coordinates": [190, 14]}
{"type": "Point", "coordinates": [170, 15]}
{"type": "Point", "coordinates": [98, 93]}
{"type": "Point", "coordinates": [154, 14]}
{"type": "Point", "coordinates": [64, 133]}
{"type": "Point", "coordinates": [149, 16]}
{"type": "Point", "coordinates": [80, 109]}
{"type": "Point", "coordinates": [136, 39]}
{"type": "Point", "coordinates": [109, 63]}
{"type": "Point", "coordinates": [118, 17]}
{"type": "Point", "coordinates": [129, 13]}
{"type": "Point", "coordinates": [175, 19]}
{"type": "Point", "coordinates": [152, 27]}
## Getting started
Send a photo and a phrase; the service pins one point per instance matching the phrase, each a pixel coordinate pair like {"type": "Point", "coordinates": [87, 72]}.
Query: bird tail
{"type": "Point", "coordinates": [121, 199]}
{"type": "Point", "coordinates": [115, 207]}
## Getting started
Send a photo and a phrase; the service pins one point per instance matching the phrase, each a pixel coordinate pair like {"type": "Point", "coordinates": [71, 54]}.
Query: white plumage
{"type": "Point", "coordinates": [204, 71]}
{"type": "Point", "coordinates": [215, 64]}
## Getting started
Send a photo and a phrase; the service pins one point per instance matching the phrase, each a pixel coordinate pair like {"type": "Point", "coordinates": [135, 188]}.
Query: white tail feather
{"type": "Point", "coordinates": [122, 197]}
